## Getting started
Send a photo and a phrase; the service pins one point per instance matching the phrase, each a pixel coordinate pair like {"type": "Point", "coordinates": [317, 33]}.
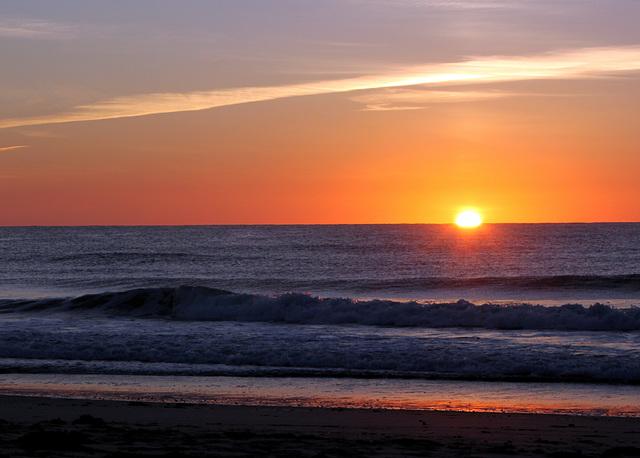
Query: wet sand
{"type": "Point", "coordinates": [45, 427]}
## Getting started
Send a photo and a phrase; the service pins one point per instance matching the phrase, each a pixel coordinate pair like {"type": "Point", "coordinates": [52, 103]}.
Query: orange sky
{"type": "Point", "coordinates": [313, 116]}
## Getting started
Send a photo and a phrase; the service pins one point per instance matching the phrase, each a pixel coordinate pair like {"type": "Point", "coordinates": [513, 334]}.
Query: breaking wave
{"type": "Point", "coordinates": [188, 303]}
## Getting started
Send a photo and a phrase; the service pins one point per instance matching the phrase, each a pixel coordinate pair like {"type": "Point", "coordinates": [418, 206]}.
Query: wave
{"type": "Point", "coordinates": [621, 283]}
{"type": "Point", "coordinates": [194, 303]}
{"type": "Point", "coordinates": [627, 284]}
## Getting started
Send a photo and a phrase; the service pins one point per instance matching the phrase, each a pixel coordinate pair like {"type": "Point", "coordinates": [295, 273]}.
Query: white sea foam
{"type": "Point", "coordinates": [63, 343]}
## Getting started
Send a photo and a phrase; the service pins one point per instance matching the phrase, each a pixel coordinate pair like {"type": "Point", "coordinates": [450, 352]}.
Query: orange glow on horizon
{"type": "Point", "coordinates": [490, 157]}
{"type": "Point", "coordinates": [364, 125]}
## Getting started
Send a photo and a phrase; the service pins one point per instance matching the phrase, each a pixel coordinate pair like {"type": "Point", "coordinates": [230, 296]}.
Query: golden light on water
{"type": "Point", "coordinates": [468, 218]}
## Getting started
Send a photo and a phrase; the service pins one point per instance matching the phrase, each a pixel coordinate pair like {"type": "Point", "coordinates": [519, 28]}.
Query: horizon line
{"type": "Point", "coordinates": [306, 224]}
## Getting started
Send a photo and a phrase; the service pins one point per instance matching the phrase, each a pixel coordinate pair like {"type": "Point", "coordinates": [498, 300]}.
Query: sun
{"type": "Point", "coordinates": [468, 218]}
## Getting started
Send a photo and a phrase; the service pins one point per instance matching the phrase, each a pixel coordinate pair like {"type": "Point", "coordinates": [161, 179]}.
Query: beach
{"type": "Point", "coordinates": [39, 426]}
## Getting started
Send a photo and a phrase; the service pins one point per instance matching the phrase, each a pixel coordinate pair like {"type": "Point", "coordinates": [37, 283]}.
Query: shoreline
{"type": "Point", "coordinates": [44, 426]}
{"type": "Point", "coordinates": [329, 392]}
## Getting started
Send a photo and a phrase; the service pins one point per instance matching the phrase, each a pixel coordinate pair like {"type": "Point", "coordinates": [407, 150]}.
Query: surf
{"type": "Point", "coordinates": [197, 303]}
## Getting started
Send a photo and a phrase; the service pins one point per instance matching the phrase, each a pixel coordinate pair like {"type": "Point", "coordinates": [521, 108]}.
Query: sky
{"type": "Point", "coordinates": [318, 111]}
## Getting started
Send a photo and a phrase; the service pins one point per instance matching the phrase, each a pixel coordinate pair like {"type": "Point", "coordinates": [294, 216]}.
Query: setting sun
{"type": "Point", "coordinates": [468, 218]}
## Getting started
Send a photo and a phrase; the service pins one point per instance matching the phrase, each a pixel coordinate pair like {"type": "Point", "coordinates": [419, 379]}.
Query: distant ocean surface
{"type": "Point", "coordinates": [515, 317]}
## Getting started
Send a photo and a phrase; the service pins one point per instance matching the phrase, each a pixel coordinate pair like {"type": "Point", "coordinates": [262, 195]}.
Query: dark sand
{"type": "Point", "coordinates": [43, 427]}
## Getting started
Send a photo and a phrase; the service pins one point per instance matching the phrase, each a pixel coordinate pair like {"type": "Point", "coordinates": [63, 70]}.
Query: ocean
{"type": "Point", "coordinates": [503, 317]}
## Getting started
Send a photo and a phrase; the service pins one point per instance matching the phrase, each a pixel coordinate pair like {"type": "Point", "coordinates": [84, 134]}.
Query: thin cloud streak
{"type": "Point", "coordinates": [450, 5]}
{"type": "Point", "coordinates": [410, 99]}
{"type": "Point", "coordinates": [582, 63]}
{"type": "Point", "coordinates": [34, 29]}
{"type": "Point", "coordinates": [9, 148]}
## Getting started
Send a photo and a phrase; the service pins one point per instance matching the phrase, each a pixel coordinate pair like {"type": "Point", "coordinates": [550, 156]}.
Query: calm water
{"type": "Point", "coordinates": [522, 261]}
{"type": "Point", "coordinates": [539, 317]}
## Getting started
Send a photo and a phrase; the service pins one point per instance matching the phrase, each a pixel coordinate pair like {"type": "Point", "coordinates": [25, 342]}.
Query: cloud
{"type": "Point", "coordinates": [9, 148]}
{"type": "Point", "coordinates": [415, 99]}
{"type": "Point", "coordinates": [581, 63]}
{"type": "Point", "coordinates": [34, 29]}
{"type": "Point", "coordinates": [450, 5]}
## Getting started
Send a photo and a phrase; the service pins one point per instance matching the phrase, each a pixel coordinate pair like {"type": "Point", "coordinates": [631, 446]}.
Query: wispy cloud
{"type": "Point", "coordinates": [582, 63]}
{"type": "Point", "coordinates": [9, 148]}
{"type": "Point", "coordinates": [414, 99]}
{"type": "Point", "coordinates": [451, 5]}
{"type": "Point", "coordinates": [34, 29]}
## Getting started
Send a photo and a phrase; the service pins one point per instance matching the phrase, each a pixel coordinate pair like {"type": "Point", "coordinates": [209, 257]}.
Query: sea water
{"type": "Point", "coordinates": [513, 317]}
